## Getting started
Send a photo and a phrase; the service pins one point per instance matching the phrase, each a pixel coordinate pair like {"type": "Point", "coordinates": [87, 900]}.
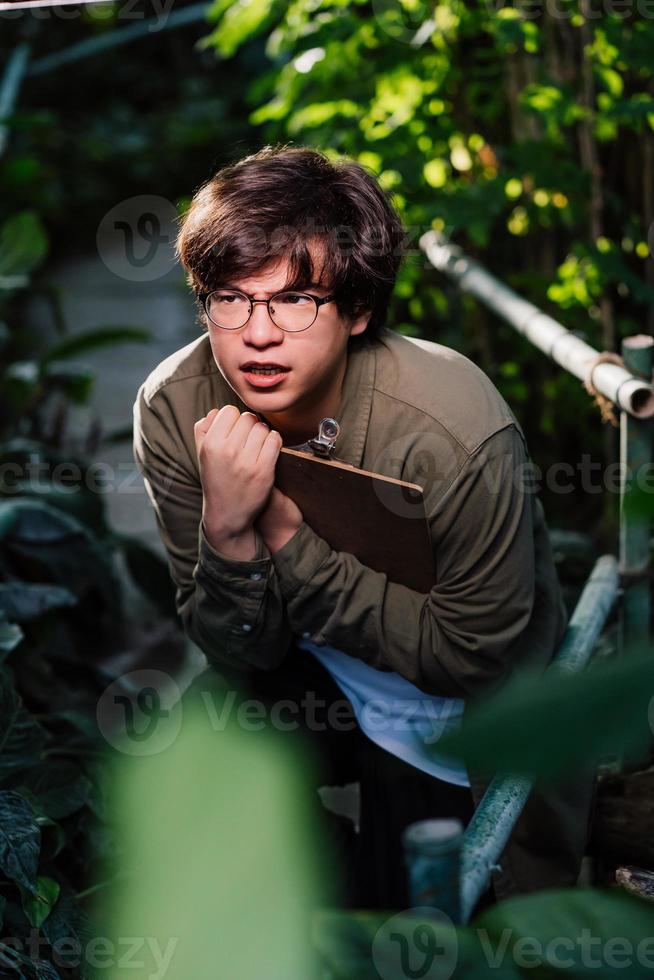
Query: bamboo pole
{"type": "Point", "coordinates": [635, 521]}
{"type": "Point", "coordinates": [634, 395]}
{"type": "Point", "coordinates": [487, 833]}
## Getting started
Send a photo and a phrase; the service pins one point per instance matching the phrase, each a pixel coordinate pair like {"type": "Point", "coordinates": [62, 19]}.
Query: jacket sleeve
{"type": "Point", "coordinates": [460, 638]}
{"type": "Point", "coordinates": [231, 609]}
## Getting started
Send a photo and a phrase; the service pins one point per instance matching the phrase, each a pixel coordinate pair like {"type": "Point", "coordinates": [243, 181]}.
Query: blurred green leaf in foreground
{"type": "Point", "coordinates": [545, 726]}
{"type": "Point", "coordinates": [225, 871]}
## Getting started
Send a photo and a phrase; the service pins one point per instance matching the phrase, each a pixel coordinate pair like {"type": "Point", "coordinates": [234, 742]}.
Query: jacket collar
{"type": "Point", "coordinates": [356, 403]}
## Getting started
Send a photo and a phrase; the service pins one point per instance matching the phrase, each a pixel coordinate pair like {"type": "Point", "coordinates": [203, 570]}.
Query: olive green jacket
{"type": "Point", "coordinates": [421, 412]}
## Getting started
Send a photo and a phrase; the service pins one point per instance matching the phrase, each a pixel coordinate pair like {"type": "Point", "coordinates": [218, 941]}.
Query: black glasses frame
{"type": "Point", "coordinates": [318, 300]}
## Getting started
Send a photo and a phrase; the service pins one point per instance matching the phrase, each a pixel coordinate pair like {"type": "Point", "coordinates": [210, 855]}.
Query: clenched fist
{"type": "Point", "coordinates": [236, 455]}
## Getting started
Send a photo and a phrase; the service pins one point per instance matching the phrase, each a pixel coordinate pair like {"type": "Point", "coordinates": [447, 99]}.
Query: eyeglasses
{"type": "Point", "coordinates": [230, 309]}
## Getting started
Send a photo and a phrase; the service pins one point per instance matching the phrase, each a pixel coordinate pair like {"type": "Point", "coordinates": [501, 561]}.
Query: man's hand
{"type": "Point", "coordinates": [279, 520]}
{"type": "Point", "coordinates": [236, 455]}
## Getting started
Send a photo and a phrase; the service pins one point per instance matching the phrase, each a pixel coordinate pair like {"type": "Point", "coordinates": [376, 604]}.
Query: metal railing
{"type": "Point", "coordinates": [487, 833]}
{"type": "Point", "coordinates": [630, 388]}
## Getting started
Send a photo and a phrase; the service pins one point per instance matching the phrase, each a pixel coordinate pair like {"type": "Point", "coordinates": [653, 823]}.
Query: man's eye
{"type": "Point", "coordinates": [228, 299]}
{"type": "Point", "coordinates": [294, 299]}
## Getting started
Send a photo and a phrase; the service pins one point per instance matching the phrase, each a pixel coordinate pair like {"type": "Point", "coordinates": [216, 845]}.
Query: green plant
{"type": "Point", "coordinates": [63, 621]}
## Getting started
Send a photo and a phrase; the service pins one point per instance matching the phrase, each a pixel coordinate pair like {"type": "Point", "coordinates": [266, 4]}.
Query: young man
{"type": "Point", "coordinates": [293, 259]}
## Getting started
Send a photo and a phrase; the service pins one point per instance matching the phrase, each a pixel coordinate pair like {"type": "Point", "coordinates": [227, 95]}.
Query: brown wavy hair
{"type": "Point", "coordinates": [273, 204]}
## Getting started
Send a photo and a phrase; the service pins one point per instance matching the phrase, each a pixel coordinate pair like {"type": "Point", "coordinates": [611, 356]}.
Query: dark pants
{"type": "Point", "coordinates": [371, 872]}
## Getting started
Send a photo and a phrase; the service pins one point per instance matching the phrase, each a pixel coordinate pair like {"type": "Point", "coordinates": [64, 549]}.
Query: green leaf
{"type": "Point", "coordinates": [24, 602]}
{"type": "Point", "coordinates": [43, 970]}
{"type": "Point", "coordinates": [38, 905]}
{"type": "Point", "coordinates": [79, 562]}
{"type": "Point", "coordinates": [10, 635]}
{"type": "Point", "coordinates": [362, 945]}
{"type": "Point", "coordinates": [78, 501]}
{"type": "Point", "coordinates": [571, 931]}
{"type": "Point", "coordinates": [541, 935]}
{"type": "Point", "coordinates": [75, 380]}
{"type": "Point", "coordinates": [20, 840]}
{"type": "Point", "coordinates": [84, 724]}
{"type": "Point", "coordinates": [60, 788]}
{"type": "Point", "coordinates": [239, 23]}
{"type": "Point", "coordinates": [24, 967]}
{"type": "Point", "coordinates": [92, 340]}
{"type": "Point", "coordinates": [31, 521]}
{"type": "Point", "coordinates": [230, 848]}
{"type": "Point", "coordinates": [320, 113]}
{"type": "Point", "coordinates": [547, 725]}
{"type": "Point", "coordinates": [69, 925]}
{"type": "Point", "coordinates": [612, 79]}
{"type": "Point", "coordinates": [21, 381]}
{"type": "Point", "coordinates": [22, 739]}
{"type": "Point", "coordinates": [23, 244]}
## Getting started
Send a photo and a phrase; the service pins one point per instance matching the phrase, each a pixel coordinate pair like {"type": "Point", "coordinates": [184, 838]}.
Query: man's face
{"type": "Point", "coordinates": [315, 357]}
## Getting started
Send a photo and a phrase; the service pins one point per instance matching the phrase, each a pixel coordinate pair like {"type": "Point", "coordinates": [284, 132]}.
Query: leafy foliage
{"type": "Point", "coordinates": [62, 620]}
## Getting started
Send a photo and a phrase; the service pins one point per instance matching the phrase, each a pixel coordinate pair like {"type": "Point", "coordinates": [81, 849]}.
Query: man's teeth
{"type": "Point", "coordinates": [265, 370]}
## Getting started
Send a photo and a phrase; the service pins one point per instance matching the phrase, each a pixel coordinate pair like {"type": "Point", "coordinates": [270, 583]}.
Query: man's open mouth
{"type": "Point", "coordinates": [261, 375]}
{"type": "Point", "coordinates": [266, 370]}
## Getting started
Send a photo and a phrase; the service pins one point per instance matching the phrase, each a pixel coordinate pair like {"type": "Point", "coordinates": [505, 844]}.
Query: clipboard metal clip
{"type": "Point", "coordinates": [323, 444]}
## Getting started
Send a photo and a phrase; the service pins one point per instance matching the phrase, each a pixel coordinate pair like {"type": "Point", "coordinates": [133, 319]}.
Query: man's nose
{"type": "Point", "coordinates": [261, 325]}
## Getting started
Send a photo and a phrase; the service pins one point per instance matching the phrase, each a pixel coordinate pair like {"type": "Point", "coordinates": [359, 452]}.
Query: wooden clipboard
{"type": "Point", "coordinates": [378, 519]}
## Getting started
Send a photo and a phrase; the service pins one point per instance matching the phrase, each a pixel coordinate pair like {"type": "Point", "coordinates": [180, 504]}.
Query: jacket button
{"type": "Point", "coordinates": [306, 636]}
{"type": "Point", "coordinates": [255, 576]}
{"type": "Point", "coordinates": [246, 627]}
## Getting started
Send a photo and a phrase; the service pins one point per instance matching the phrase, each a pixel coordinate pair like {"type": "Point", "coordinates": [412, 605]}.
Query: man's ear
{"type": "Point", "coordinates": [359, 324]}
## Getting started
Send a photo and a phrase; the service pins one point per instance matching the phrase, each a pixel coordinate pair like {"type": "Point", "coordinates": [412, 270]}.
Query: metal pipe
{"type": "Point", "coordinates": [10, 86]}
{"type": "Point", "coordinates": [631, 393]}
{"type": "Point", "coordinates": [635, 522]}
{"type": "Point", "coordinates": [487, 833]}
{"type": "Point", "coordinates": [37, 4]}
{"type": "Point", "coordinates": [590, 614]}
{"type": "Point", "coordinates": [104, 42]}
